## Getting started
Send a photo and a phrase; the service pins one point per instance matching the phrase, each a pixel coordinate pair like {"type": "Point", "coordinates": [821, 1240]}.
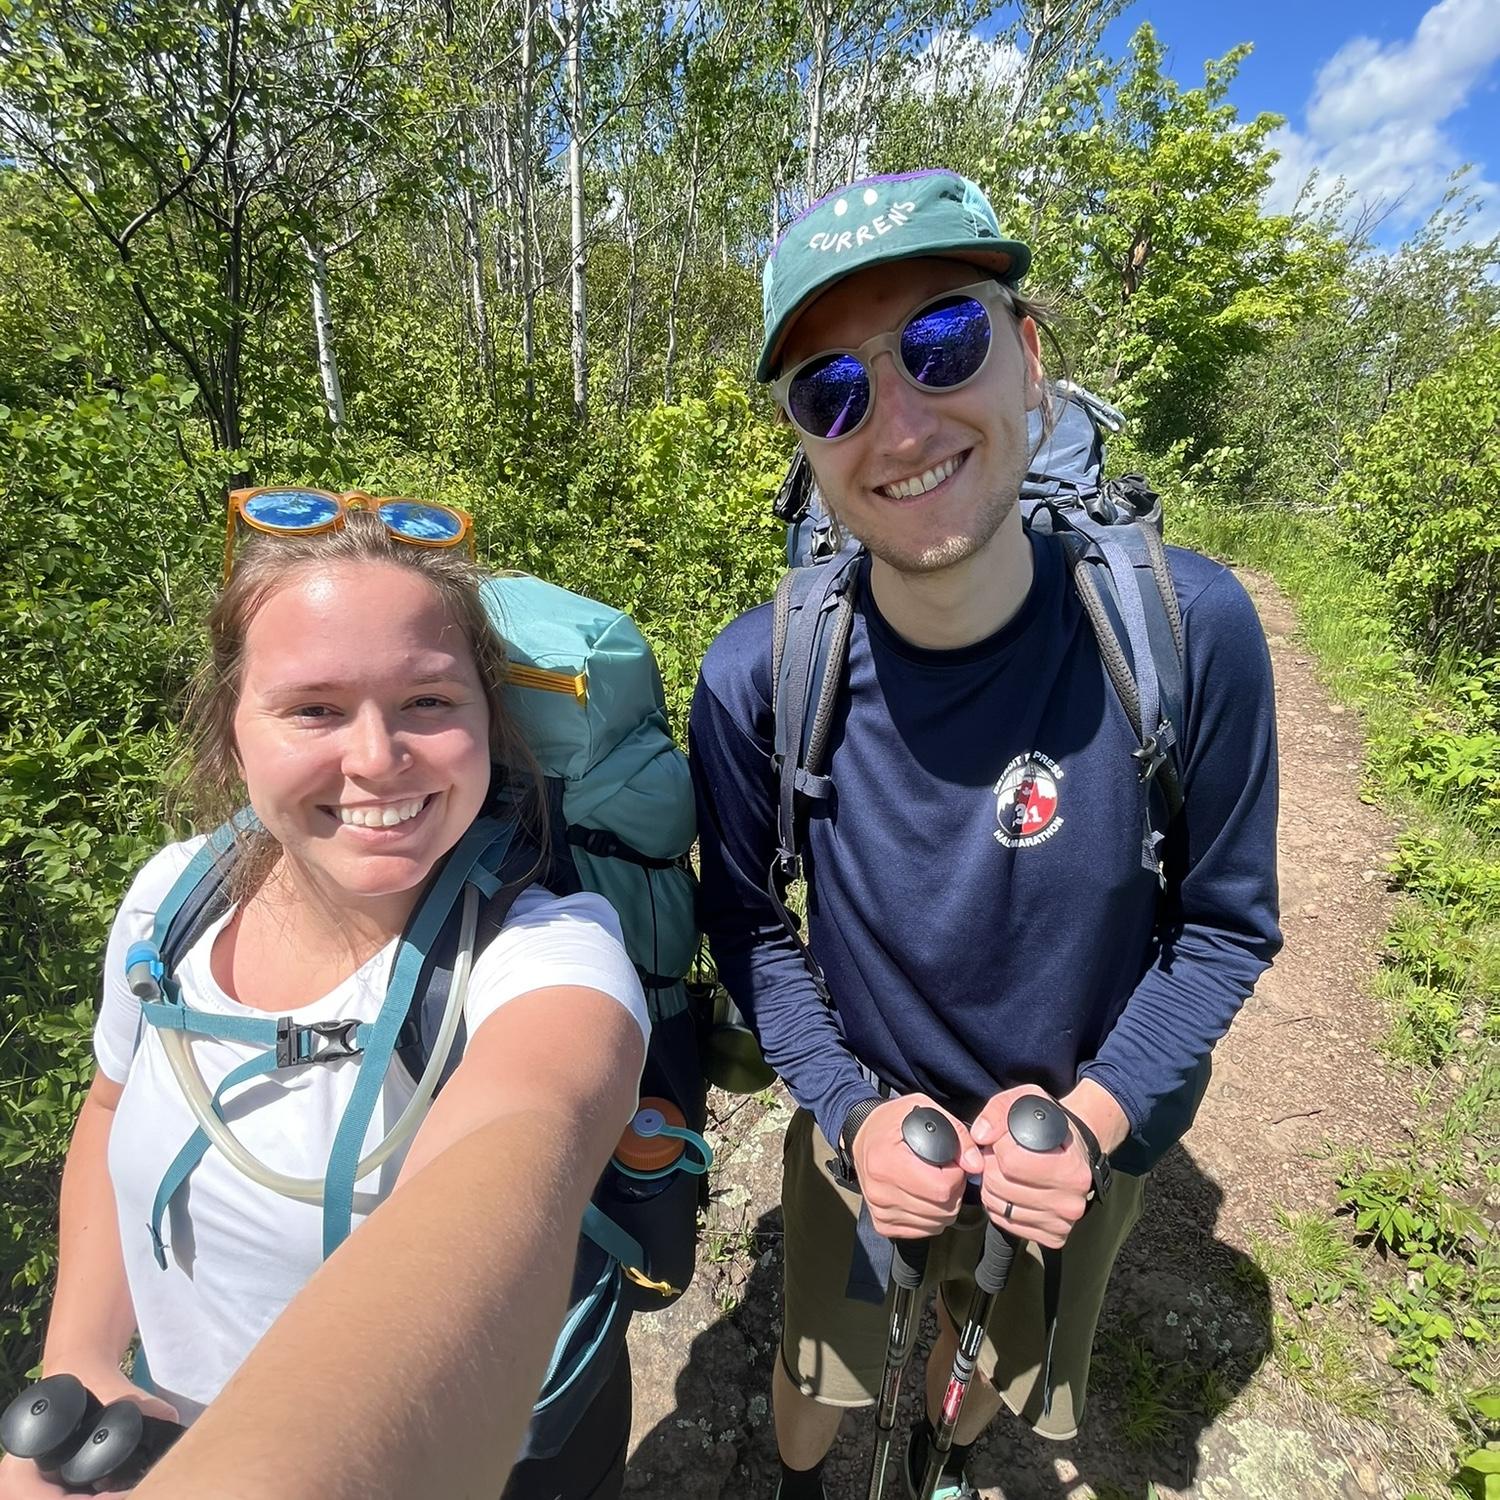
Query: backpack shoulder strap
{"type": "Point", "coordinates": [1124, 582]}
{"type": "Point", "coordinates": [811, 623]}
{"type": "Point", "coordinates": [200, 894]}
{"type": "Point", "coordinates": [473, 861]}
{"type": "Point", "coordinates": [812, 619]}
{"type": "Point", "coordinates": [521, 866]}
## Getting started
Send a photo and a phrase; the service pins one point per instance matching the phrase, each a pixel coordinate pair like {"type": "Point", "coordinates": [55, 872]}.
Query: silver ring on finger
{"type": "Point", "coordinates": [1010, 1211]}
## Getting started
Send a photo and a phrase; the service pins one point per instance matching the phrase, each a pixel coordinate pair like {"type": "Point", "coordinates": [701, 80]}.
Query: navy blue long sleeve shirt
{"type": "Point", "coordinates": [977, 899]}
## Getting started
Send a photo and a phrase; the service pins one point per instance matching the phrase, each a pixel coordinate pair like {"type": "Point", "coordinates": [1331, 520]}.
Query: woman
{"type": "Point", "coordinates": [352, 698]}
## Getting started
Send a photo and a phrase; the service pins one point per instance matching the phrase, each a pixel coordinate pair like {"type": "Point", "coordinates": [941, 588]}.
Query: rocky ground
{"type": "Point", "coordinates": [1184, 1395]}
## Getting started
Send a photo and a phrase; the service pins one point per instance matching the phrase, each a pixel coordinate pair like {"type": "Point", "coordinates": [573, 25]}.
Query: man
{"type": "Point", "coordinates": [977, 900]}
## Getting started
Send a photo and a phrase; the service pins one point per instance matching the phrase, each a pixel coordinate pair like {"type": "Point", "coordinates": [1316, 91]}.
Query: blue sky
{"type": "Point", "coordinates": [1391, 95]}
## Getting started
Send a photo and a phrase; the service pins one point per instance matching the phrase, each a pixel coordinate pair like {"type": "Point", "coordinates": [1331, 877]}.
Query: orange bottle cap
{"type": "Point", "coordinates": [643, 1148]}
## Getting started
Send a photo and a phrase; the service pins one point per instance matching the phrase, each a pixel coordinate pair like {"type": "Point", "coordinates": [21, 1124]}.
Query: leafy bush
{"type": "Point", "coordinates": [1462, 770]}
{"type": "Point", "coordinates": [1461, 882]}
{"type": "Point", "coordinates": [104, 555]}
{"type": "Point", "coordinates": [664, 514]}
{"type": "Point", "coordinates": [1419, 503]}
{"type": "Point", "coordinates": [1402, 1207]}
{"type": "Point", "coordinates": [668, 518]}
{"type": "Point", "coordinates": [1450, 1275]}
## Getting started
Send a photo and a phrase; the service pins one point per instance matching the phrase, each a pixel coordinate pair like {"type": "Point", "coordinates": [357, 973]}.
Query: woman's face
{"type": "Point", "coordinates": [361, 728]}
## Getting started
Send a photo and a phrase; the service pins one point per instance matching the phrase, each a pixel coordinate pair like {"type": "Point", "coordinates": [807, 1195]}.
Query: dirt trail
{"type": "Point", "coordinates": [1183, 1394]}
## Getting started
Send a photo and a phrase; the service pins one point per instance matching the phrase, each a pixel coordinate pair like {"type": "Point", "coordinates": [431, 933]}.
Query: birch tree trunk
{"type": "Point", "coordinates": [526, 205]}
{"type": "Point", "coordinates": [857, 138]}
{"type": "Point", "coordinates": [632, 282]}
{"type": "Point", "coordinates": [503, 169]}
{"type": "Point", "coordinates": [689, 234]}
{"type": "Point", "coordinates": [457, 284]}
{"type": "Point", "coordinates": [817, 89]}
{"type": "Point", "coordinates": [573, 20]}
{"type": "Point", "coordinates": [473, 244]}
{"type": "Point", "coordinates": [322, 315]}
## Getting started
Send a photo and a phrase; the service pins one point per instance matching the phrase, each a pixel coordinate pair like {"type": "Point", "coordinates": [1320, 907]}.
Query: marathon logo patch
{"type": "Point", "coordinates": [1026, 801]}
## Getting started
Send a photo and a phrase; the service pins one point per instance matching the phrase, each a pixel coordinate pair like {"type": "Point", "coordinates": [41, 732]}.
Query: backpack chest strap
{"type": "Point", "coordinates": [291, 1043]}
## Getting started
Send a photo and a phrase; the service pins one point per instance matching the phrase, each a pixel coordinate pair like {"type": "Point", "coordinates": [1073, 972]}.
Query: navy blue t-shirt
{"type": "Point", "coordinates": [977, 899]}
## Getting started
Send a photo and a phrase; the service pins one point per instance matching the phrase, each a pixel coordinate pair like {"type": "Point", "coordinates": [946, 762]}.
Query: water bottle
{"type": "Point", "coordinates": [650, 1190]}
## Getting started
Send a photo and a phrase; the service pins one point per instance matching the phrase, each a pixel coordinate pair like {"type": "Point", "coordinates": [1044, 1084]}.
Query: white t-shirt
{"type": "Point", "coordinates": [238, 1252]}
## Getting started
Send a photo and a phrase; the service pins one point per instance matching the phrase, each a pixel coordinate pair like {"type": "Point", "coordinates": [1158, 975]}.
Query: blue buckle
{"type": "Point", "coordinates": [317, 1042]}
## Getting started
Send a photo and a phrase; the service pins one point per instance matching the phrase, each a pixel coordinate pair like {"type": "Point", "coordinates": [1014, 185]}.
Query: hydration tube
{"type": "Point", "coordinates": [310, 1189]}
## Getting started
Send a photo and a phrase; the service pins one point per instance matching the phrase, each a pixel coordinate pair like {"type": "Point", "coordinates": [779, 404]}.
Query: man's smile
{"type": "Point", "coordinates": [917, 485]}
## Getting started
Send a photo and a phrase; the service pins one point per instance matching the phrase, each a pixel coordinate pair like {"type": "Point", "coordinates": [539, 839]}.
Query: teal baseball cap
{"type": "Point", "coordinates": [933, 212]}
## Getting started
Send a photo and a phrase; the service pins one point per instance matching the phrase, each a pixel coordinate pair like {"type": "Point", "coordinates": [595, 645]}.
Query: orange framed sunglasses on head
{"type": "Point", "coordinates": [290, 510]}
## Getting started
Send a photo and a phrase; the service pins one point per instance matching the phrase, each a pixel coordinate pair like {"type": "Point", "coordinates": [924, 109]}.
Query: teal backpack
{"type": "Point", "coordinates": [587, 693]}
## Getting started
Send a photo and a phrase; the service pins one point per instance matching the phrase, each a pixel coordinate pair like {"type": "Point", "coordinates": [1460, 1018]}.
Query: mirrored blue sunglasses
{"type": "Point", "coordinates": [942, 346]}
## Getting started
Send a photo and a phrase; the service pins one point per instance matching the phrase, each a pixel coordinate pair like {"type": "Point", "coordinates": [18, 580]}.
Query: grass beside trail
{"type": "Point", "coordinates": [1410, 1264]}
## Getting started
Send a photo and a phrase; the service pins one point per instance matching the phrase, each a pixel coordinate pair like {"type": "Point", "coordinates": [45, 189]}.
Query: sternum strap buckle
{"type": "Point", "coordinates": [318, 1041]}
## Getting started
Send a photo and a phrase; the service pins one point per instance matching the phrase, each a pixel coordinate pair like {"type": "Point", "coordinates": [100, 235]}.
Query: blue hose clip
{"type": "Point", "coordinates": [144, 970]}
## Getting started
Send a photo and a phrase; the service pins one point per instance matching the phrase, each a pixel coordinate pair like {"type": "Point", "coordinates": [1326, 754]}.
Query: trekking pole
{"type": "Point", "coordinates": [1037, 1124]}
{"type": "Point", "coordinates": [930, 1134]}
{"type": "Point", "coordinates": [47, 1422]}
{"type": "Point", "coordinates": [77, 1444]}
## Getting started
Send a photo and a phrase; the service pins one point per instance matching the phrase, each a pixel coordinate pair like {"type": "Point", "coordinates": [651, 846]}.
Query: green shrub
{"type": "Point", "coordinates": [1460, 881]}
{"type": "Point", "coordinates": [1461, 770]}
{"type": "Point", "coordinates": [104, 558]}
{"type": "Point", "coordinates": [1425, 1021]}
{"type": "Point", "coordinates": [1418, 500]}
{"type": "Point", "coordinates": [667, 518]}
{"type": "Point", "coordinates": [1402, 1207]}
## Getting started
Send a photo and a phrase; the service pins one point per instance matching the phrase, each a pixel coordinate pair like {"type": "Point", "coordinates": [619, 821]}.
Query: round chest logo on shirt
{"type": "Point", "coordinates": [1026, 801]}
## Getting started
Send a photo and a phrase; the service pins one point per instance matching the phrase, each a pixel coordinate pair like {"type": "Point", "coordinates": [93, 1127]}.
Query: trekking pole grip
{"type": "Point", "coordinates": [910, 1263]}
{"type": "Point", "coordinates": [1036, 1124]}
{"type": "Point", "coordinates": [930, 1137]}
{"type": "Point", "coordinates": [993, 1270]}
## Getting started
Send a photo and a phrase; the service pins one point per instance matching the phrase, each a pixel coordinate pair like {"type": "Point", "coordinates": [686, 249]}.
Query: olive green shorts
{"type": "Point", "coordinates": [833, 1346]}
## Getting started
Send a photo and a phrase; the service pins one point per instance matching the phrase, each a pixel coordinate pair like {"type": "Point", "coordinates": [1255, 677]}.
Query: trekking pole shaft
{"type": "Point", "coordinates": [989, 1281]}
{"type": "Point", "coordinates": [908, 1266]}
{"type": "Point", "coordinates": [1035, 1123]}
{"type": "Point", "coordinates": [898, 1352]}
{"type": "Point", "coordinates": [931, 1137]}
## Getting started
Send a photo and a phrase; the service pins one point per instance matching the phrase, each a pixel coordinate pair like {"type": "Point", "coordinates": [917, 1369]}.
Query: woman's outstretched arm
{"type": "Point", "coordinates": [408, 1365]}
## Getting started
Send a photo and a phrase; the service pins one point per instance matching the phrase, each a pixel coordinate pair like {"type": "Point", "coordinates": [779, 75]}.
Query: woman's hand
{"type": "Point", "coordinates": [109, 1383]}
{"type": "Point", "coordinates": [20, 1479]}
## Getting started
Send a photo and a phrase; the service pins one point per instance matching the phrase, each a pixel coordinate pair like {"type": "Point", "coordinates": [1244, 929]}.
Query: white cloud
{"type": "Point", "coordinates": [952, 55]}
{"type": "Point", "coordinates": [1375, 120]}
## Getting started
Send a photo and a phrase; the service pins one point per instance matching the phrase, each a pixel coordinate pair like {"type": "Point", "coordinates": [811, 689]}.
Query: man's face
{"type": "Point", "coordinates": [979, 431]}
